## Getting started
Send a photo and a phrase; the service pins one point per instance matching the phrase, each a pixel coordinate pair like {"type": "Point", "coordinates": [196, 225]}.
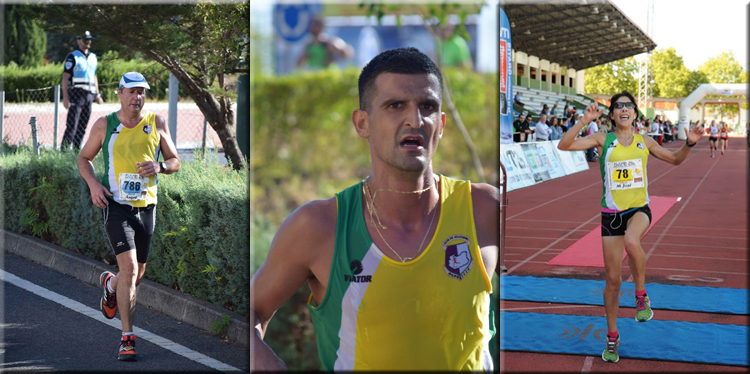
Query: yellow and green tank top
{"type": "Point", "coordinates": [432, 313]}
{"type": "Point", "coordinates": [624, 176]}
{"type": "Point", "coordinates": [123, 149]}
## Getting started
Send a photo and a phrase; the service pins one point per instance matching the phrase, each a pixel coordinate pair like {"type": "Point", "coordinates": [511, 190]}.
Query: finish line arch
{"type": "Point", "coordinates": [725, 89]}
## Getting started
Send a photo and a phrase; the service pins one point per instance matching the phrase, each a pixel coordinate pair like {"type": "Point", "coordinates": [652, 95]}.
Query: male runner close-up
{"type": "Point", "coordinates": [399, 265]}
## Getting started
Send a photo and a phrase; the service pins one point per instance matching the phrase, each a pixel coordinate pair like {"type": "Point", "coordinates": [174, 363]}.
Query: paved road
{"type": "Point", "coordinates": [61, 329]}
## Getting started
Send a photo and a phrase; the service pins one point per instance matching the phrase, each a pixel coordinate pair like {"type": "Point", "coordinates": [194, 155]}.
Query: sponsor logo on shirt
{"type": "Point", "coordinates": [147, 129]}
{"type": "Point", "coordinates": [356, 267]}
{"type": "Point", "coordinates": [640, 145]}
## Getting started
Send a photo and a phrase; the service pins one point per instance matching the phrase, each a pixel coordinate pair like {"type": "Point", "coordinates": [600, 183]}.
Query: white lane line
{"type": "Point", "coordinates": [97, 315]}
{"type": "Point", "coordinates": [587, 364]}
{"type": "Point", "coordinates": [510, 270]}
{"type": "Point", "coordinates": [548, 307]}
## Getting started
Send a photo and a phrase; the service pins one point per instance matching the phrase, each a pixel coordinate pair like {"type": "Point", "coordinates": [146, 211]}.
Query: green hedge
{"type": "Point", "coordinates": [305, 147]}
{"type": "Point", "coordinates": [200, 244]}
{"type": "Point", "coordinates": [109, 72]}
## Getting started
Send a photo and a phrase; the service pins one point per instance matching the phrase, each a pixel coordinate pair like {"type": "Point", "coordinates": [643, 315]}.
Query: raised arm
{"type": "Point", "coordinates": [299, 242]}
{"type": "Point", "coordinates": [569, 141]}
{"type": "Point", "coordinates": [678, 156]}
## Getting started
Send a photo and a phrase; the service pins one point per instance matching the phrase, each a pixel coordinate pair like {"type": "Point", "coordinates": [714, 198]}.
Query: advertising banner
{"type": "Point", "coordinates": [550, 159]}
{"type": "Point", "coordinates": [519, 173]}
{"type": "Point", "coordinates": [538, 170]}
{"type": "Point", "coordinates": [572, 161]}
{"type": "Point", "coordinates": [505, 77]}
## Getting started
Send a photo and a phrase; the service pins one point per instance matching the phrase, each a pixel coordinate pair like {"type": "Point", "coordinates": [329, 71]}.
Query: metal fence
{"type": "Point", "coordinates": [17, 107]}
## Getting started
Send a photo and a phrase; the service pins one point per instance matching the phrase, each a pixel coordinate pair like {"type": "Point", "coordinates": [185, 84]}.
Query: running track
{"type": "Point", "coordinates": [701, 241]}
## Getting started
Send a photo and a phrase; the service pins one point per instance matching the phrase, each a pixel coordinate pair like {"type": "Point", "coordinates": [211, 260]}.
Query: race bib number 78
{"type": "Point", "coordinates": [625, 175]}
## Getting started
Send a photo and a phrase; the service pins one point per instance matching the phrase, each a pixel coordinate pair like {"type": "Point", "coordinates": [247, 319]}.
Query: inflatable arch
{"type": "Point", "coordinates": [699, 93]}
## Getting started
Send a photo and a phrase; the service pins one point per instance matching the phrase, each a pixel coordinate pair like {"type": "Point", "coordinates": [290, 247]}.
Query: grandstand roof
{"type": "Point", "coordinates": [577, 34]}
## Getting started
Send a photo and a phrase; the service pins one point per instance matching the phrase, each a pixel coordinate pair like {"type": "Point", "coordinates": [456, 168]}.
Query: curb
{"type": "Point", "coordinates": [182, 307]}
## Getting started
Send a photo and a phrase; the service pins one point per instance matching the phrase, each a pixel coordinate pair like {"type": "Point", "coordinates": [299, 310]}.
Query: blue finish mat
{"type": "Point", "coordinates": [659, 340]}
{"type": "Point", "coordinates": [589, 292]}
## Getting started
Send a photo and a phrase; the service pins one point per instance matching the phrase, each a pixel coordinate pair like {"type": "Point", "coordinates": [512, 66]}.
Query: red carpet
{"type": "Point", "coordinates": [588, 250]}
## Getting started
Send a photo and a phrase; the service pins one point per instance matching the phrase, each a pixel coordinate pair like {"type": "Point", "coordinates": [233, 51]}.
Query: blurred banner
{"type": "Point", "coordinates": [505, 76]}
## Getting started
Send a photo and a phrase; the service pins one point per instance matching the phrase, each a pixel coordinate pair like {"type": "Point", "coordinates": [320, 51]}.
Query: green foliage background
{"type": "Point", "coordinates": [109, 72]}
{"type": "Point", "coordinates": [304, 147]}
{"type": "Point", "coordinates": [25, 41]}
{"type": "Point", "coordinates": [200, 244]}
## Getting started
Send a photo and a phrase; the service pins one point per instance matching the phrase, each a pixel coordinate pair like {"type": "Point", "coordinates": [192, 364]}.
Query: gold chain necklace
{"type": "Point", "coordinates": [370, 201]}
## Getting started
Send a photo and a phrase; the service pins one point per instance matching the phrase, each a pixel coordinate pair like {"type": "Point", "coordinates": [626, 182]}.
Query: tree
{"type": "Point", "coordinates": [202, 44]}
{"type": "Point", "coordinates": [672, 78]}
{"type": "Point", "coordinates": [612, 77]}
{"type": "Point", "coordinates": [25, 41]}
{"type": "Point", "coordinates": [723, 69]}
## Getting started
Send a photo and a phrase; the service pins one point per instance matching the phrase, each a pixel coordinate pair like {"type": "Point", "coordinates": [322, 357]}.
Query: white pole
{"type": "Point", "coordinates": [57, 110]}
{"type": "Point", "coordinates": [174, 87]}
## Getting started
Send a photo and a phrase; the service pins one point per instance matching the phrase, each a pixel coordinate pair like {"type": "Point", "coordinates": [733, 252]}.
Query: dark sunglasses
{"type": "Point", "coordinates": [620, 105]}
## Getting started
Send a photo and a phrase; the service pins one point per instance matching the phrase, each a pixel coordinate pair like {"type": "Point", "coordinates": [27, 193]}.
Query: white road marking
{"type": "Point", "coordinates": [587, 364]}
{"type": "Point", "coordinates": [97, 315]}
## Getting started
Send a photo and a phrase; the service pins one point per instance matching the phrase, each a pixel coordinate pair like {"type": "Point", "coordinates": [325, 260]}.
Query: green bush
{"type": "Point", "coordinates": [305, 146]}
{"type": "Point", "coordinates": [200, 244]}
{"type": "Point", "coordinates": [109, 72]}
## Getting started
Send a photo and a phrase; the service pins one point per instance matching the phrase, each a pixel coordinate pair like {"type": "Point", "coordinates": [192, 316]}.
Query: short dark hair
{"type": "Point", "coordinates": [398, 61]}
{"type": "Point", "coordinates": [616, 97]}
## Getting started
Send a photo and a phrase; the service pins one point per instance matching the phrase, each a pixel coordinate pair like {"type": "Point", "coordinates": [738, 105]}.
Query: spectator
{"type": "Point", "coordinates": [593, 128]}
{"type": "Point", "coordinates": [545, 110]}
{"type": "Point", "coordinates": [454, 51]}
{"type": "Point", "coordinates": [323, 49]}
{"type": "Point", "coordinates": [555, 130]}
{"type": "Point", "coordinates": [517, 99]}
{"type": "Point", "coordinates": [542, 129]}
{"type": "Point", "coordinates": [526, 129]}
{"type": "Point", "coordinates": [517, 127]}
{"type": "Point", "coordinates": [553, 111]}
{"type": "Point", "coordinates": [667, 130]}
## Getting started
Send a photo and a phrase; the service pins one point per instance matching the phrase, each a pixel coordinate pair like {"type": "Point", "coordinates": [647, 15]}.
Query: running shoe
{"type": "Point", "coordinates": [127, 348]}
{"type": "Point", "coordinates": [108, 304]}
{"type": "Point", "coordinates": [643, 309]}
{"type": "Point", "coordinates": [610, 353]}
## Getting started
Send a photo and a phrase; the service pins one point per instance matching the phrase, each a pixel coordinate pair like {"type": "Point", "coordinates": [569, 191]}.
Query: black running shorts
{"type": "Point", "coordinates": [129, 228]}
{"type": "Point", "coordinates": [614, 224]}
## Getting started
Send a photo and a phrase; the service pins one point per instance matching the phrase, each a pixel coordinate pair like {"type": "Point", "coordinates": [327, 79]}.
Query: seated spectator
{"type": "Point", "coordinates": [542, 129]}
{"type": "Point", "coordinates": [517, 99]}
{"type": "Point", "coordinates": [553, 111]}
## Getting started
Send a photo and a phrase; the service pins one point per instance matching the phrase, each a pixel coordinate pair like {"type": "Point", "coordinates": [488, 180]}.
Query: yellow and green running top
{"type": "Point", "coordinates": [123, 149]}
{"type": "Point", "coordinates": [432, 313]}
{"type": "Point", "coordinates": [624, 177]}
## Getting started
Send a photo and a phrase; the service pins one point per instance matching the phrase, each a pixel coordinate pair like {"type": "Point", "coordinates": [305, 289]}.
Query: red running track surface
{"type": "Point", "coordinates": [700, 241]}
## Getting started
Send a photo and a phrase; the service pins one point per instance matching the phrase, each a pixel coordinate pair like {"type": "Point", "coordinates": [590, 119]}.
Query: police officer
{"type": "Point", "coordinates": [80, 88]}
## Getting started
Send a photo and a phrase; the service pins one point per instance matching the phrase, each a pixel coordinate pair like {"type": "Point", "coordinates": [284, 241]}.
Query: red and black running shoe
{"type": "Point", "coordinates": [108, 304]}
{"type": "Point", "coordinates": [127, 348]}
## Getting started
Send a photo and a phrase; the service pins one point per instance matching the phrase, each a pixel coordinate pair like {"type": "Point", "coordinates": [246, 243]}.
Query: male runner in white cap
{"type": "Point", "coordinates": [132, 140]}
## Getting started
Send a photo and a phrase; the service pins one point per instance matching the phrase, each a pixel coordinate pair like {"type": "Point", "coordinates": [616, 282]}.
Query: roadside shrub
{"type": "Point", "coordinates": [200, 244]}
